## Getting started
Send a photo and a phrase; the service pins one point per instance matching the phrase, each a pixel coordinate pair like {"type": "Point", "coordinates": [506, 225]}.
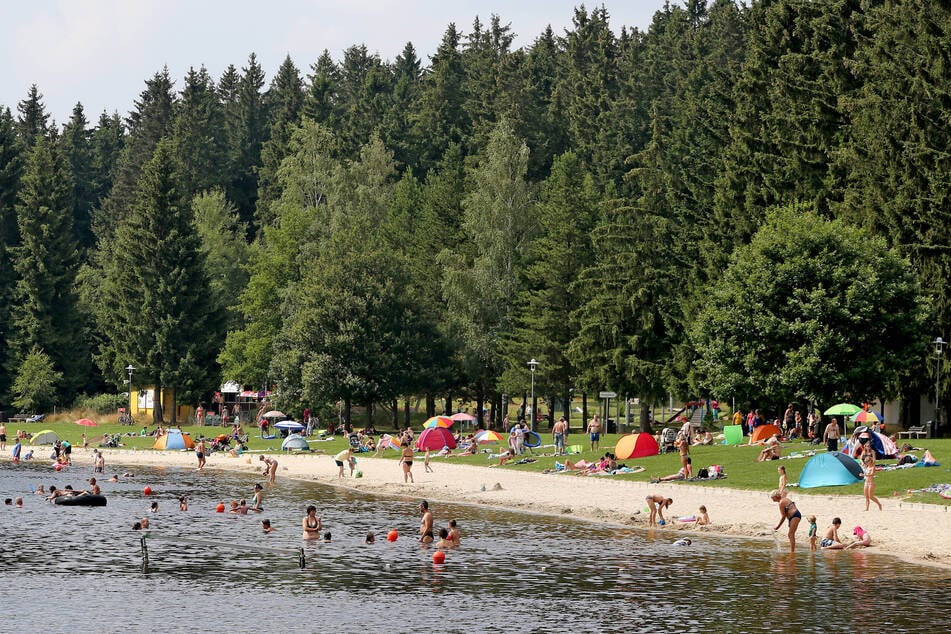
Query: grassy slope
{"type": "Point", "coordinates": [739, 463]}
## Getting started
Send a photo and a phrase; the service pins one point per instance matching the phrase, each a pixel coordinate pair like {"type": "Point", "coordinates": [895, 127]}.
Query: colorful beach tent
{"type": "Point", "coordinates": [733, 434]}
{"type": "Point", "coordinates": [636, 446]}
{"type": "Point", "coordinates": [765, 431]}
{"type": "Point", "coordinates": [45, 437]}
{"type": "Point", "coordinates": [174, 439]}
{"type": "Point", "coordinates": [883, 445]}
{"type": "Point", "coordinates": [295, 442]}
{"type": "Point", "coordinates": [434, 439]}
{"type": "Point", "coordinates": [830, 469]}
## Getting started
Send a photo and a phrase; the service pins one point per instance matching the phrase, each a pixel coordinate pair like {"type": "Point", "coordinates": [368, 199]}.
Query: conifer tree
{"type": "Point", "coordinates": [78, 150]}
{"type": "Point", "coordinates": [46, 262]}
{"type": "Point", "coordinates": [158, 317]}
{"type": "Point", "coordinates": [199, 134]}
{"type": "Point", "coordinates": [246, 122]}
{"type": "Point", "coordinates": [11, 165]}
{"type": "Point", "coordinates": [33, 120]}
{"type": "Point", "coordinates": [284, 100]}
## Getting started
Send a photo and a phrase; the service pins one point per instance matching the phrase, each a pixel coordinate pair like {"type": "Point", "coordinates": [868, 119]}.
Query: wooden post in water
{"type": "Point", "coordinates": [301, 560]}
{"type": "Point", "coordinates": [145, 555]}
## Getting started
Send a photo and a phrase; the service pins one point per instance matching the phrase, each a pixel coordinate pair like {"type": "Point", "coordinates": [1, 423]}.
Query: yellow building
{"type": "Point", "coordinates": [143, 402]}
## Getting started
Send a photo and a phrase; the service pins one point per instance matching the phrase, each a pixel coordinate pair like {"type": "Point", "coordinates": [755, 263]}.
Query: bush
{"type": "Point", "coordinates": [102, 403]}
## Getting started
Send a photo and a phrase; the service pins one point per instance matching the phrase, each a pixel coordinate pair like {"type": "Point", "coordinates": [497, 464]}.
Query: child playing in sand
{"type": "Point", "coordinates": [702, 518]}
{"type": "Point", "coordinates": [813, 532]}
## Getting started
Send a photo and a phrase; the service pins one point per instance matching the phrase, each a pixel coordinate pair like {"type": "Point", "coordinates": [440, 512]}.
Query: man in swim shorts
{"type": "Point", "coordinates": [594, 432]}
{"type": "Point", "coordinates": [425, 523]}
{"type": "Point", "coordinates": [200, 453]}
{"type": "Point", "coordinates": [558, 435]}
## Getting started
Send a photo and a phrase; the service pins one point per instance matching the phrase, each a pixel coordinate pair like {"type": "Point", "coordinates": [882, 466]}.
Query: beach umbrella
{"type": "Point", "coordinates": [274, 414]}
{"type": "Point", "coordinates": [439, 421]}
{"type": "Point", "coordinates": [85, 422]}
{"type": "Point", "coordinates": [842, 409]}
{"type": "Point", "coordinates": [868, 416]}
{"type": "Point", "coordinates": [463, 416]}
{"type": "Point", "coordinates": [435, 438]}
{"type": "Point", "coordinates": [488, 436]}
{"type": "Point", "coordinates": [291, 425]}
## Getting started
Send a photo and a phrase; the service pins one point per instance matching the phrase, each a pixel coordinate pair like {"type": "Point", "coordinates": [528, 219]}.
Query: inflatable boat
{"type": "Point", "coordinates": [89, 499]}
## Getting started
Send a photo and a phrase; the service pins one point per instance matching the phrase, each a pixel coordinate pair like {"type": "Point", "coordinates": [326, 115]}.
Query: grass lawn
{"type": "Point", "coordinates": [739, 462]}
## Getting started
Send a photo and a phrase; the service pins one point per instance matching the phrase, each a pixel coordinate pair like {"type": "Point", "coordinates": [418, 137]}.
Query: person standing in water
{"type": "Point", "coordinates": [200, 450]}
{"type": "Point", "coordinates": [426, 535]}
{"type": "Point", "coordinates": [311, 523]}
{"type": "Point", "coordinates": [789, 513]}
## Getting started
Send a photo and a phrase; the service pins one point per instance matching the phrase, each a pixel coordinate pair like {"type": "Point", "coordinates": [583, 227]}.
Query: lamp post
{"type": "Point", "coordinates": [938, 349]}
{"type": "Point", "coordinates": [532, 365]}
{"type": "Point", "coordinates": [130, 369]}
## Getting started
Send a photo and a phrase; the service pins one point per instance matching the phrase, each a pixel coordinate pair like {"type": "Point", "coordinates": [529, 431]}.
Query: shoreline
{"type": "Point", "coordinates": [914, 532]}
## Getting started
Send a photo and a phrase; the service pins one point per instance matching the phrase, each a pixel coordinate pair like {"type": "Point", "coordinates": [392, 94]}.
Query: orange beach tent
{"type": "Point", "coordinates": [636, 446]}
{"type": "Point", "coordinates": [174, 439]}
{"type": "Point", "coordinates": [763, 432]}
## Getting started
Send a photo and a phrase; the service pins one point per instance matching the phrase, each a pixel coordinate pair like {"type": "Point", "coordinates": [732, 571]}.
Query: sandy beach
{"type": "Point", "coordinates": [916, 532]}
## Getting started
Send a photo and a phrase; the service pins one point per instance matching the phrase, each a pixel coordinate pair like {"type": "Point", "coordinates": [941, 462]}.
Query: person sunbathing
{"type": "Point", "coordinates": [680, 475]}
{"type": "Point", "coordinates": [772, 451]}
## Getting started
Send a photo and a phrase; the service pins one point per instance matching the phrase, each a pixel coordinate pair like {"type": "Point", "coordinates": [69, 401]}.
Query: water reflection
{"type": "Point", "coordinates": [514, 572]}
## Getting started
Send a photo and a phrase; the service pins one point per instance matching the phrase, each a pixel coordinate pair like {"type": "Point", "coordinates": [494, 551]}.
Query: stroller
{"type": "Point", "coordinates": [667, 438]}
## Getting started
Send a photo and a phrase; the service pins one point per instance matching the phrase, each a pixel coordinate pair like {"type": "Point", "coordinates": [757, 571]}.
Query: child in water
{"type": "Point", "coordinates": [813, 532]}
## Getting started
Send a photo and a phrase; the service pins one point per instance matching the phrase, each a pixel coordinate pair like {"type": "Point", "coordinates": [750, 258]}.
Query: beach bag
{"type": "Point", "coordinates": [703, 474]}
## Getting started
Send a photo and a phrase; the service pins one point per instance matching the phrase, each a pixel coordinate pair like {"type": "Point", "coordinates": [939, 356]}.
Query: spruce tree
{"type": "Point", "coordinates": [46, 262]}
{"type": "Point", "coordinates": [78, 150]}
{"type": "Point", "coordinates": [11, 165]}
{"type": "Point", "coordinates": [246, 122]}
{"type": "Point", "coordinates": [33, 120]}
{"type": "Point", "coordinates": [199, 134]}
{"type": "Point", "coordinates": [284, 99]}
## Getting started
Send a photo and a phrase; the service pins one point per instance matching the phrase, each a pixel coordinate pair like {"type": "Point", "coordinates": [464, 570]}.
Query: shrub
{"type": "Point", "coordinates": [102, 403]}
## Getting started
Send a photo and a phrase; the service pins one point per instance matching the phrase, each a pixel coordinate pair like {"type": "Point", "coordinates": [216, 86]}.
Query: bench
{"type": "Point", "coordinates": [917, 432]}
{"type": "Point", "coordinates": [20, 418]}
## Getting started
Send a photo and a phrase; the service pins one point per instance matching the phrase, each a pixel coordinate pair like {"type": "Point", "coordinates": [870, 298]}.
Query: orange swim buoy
{"type": "Point", "coordinates": [147, 491]}
{"type": "Point", "coordinates": [58, 466]}
{"type": "Point", "coordinates": [220, 508]}
{"type": "Point", "coordinates": [391, 536]}
{"type": "Point", "coordinates": [439, 557]}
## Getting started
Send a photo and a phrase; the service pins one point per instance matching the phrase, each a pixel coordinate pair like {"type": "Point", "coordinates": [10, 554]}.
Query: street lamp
{"type": "Point", "coordinates": [938, 349]}
{"type": "Point", "coordinates": [532, 365]}
{"type": "Point", "coordinates": [130, 369]}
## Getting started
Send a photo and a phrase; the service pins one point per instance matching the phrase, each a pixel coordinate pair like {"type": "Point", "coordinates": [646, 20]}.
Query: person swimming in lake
{"type": "Point", "coordinates": [455, 535]}
{"type": "Point", "coordinates": [789, 513]}
{"type": "Point", "coordinates": [656, 504]}
{"type": "Point", "coordinates": [444, 541]}
{"type": "Point", "coordinates": [266, 525]}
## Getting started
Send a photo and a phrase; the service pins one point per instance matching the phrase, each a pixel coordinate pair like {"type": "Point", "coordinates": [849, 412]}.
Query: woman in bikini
{"type": "Point", "coordinates": [311, 523]}
{"type": "Point", "coordinates": [406, 459]}
{"type": "Point", "coordinates": [789, 513]}
{"type": "Point", "coordinates": [256, 498]}
{"type": "Point", "coordinates": [657, 504]}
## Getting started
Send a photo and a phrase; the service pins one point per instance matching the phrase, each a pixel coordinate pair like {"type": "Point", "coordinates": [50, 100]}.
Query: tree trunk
{"type": "Point", "coordinates": [174, 406]}
{"type": "Point", "coordinates": [480, 402]}
{"type": "Point", "coordinates": [584, 410]}
{"type": "Point", "coordinates": [430, 405]}
{"type": "Point", "coordinates": [157, 414]}
{"type": "Point", "coordinates": [567, 408]}
{"type": "Point", "coordinates": [447, 411]}
{"type": "Point", "coordinates": [645, 417]}
{"type": "Point", "coordinates": [369, 414]}
{"type": "Point", "coordinates": [396, 412]}
{"type": "Point", "coordinates": [346, 413]}
{"type": "Point", "coordinates": [406, 406]}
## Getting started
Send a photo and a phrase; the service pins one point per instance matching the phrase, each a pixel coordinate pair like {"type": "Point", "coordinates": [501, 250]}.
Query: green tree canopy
{"type": "Point", "coordinates": [810, 308]}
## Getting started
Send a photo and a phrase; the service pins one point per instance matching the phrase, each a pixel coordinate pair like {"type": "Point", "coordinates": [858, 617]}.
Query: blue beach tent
{"type": "Point", "coordinates": [830, 469]}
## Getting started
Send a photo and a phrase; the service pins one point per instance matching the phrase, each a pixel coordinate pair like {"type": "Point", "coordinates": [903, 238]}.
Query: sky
{"type": "Point", "coordinates": [100, 52]}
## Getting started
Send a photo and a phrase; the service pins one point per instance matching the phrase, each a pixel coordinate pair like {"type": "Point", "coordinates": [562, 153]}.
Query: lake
{"type": "Point", "coordinates": [82, 569]}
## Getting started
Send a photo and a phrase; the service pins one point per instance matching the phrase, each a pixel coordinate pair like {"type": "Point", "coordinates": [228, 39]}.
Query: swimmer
{"type": "Point", "coordinates": [371, 538]}
{"type": "Point", "coordinates": [425, 523]}
{"type": "Point", "coordinates": [183, 503]}
{"type": "Point", "coordinates": [153, 508]}
{"type": "Point", "coordinates": [657, 504]}
{"type": "Point", "coordinates": [831, 540]}
{"type": "Point", "coordinates": [256, 498]}
{"type": "Point", "coordinates": [8, 501]}
{"type": "Point", "coordinates": [444, 541]}
{"type": "Point", "coordinates": [788, 513]}
{"type": "Point", "coordinates": [128, 474]}
{"type": "Point", "coordinates": [19, 504]}
{"type": "Point", "coordinates": [144, 522]}
{"type": "Point", "coordinates": [865, 540]}
{"type": "Point", "coordinates": [136, 526]}
{"type": "Point", "coordinates": [683, 542]}
{"type": "Point", "coordinates": [40, 491]}
{"type": "Point", "coordinates": [813, 532]}
{"type": "Point", "coordinates": [702, 518]}
{"type": "Point", "coordinates": [114, 478]}
{"type": "Point", "coordinates": [266, 525]}
{"type": "Point", "coordinates": [455, 535]}
{"type": "Point", "coordinates": [327, 537]}
{"type": "Point", "coordinates": [94, 488]}
{"type": "Point", "coordinates": [311, 524]}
